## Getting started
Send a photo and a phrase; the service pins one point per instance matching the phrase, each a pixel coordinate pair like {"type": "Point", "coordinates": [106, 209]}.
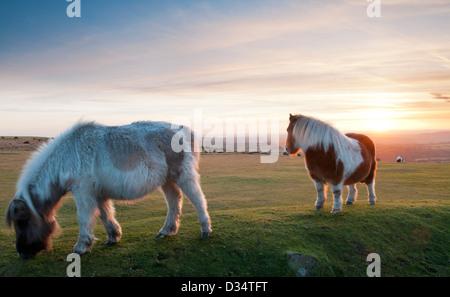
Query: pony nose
{"type": "Point", "coordinates": [25, 256]}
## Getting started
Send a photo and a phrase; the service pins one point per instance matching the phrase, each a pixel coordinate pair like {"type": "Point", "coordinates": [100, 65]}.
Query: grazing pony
{"type": "Point", "coordinates": [97, 164]}
{"type": "Point", "coordinates": [333, 158]}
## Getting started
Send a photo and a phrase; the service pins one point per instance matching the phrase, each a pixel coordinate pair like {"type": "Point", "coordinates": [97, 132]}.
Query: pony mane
{"type": "Point", "coordinates": [312, 132]}
{"type": "Point", "coordinates": [35, 163]}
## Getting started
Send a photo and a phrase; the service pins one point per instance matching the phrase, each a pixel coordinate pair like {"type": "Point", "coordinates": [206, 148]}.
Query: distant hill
{"type": "Point", "coordinates": [412, 138]}
{"type": "Point", "coordinates": [399, 137]}
{"type": "Point", "coordinates": [22, 143]}
{"type": "Point", "coordinates": [412, 147]}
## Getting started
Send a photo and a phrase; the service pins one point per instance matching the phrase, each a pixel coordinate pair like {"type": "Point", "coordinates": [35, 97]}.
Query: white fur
{"type": "Point", "coordinates": [352, 193]}
{"type": "Point", "coordinates": [97, 163]}
{"type": "Point", "coordinates": [311, 132]}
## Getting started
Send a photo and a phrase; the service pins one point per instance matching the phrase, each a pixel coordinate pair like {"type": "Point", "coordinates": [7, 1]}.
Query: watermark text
{"type": "Point", "coordinates": [252, 135]}
{"type": "Point", "coordinates": [74, 9]}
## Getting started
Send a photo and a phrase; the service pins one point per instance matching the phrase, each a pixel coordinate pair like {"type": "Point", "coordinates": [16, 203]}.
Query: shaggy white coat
{"type": "Point", "coordinates": [98, 163]}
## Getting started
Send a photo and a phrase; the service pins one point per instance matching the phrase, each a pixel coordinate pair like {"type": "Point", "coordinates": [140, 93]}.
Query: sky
{"type": "Point", "coordinates": [126, 61]}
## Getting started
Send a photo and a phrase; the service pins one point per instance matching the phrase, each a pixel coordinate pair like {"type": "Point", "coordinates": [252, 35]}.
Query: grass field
{"type": "Point", "coordinates": [259, 212]}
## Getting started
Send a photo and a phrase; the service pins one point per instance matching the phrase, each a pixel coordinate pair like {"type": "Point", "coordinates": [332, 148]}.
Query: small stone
{"type": "Point", "coordinates": [301, 264]}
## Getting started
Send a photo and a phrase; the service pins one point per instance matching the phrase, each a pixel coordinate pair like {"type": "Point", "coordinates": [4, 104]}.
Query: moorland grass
{"type": "Point", "coordinates": [259, 212]}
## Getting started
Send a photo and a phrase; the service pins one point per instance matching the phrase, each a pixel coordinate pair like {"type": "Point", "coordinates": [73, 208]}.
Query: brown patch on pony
{"type": "Point", "coordinates": [322, 165]}
{"type": "Point", "coordinates": [175, 161]}
{"type": "Point", "coordinates": [365, 173]}
{"type": "Point", "coordinates": [125, 155]}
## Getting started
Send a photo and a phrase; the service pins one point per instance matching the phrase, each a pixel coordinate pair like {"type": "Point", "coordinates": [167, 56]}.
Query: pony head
{"type": "Point", "coordinates": [291, 144]}
{"type": "Point", "coordinates": [32, 231]}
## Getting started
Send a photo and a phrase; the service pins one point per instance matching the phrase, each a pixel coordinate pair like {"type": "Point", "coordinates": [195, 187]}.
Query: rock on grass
{"type": "Point", "coordinates": [301, 264]}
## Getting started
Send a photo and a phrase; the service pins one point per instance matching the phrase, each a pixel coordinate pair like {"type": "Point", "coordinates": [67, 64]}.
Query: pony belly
{"type": "Point", "coordinates": [132, 184]}
{"type": "Point", "coordinates": [359, 174]}
{"type": "Point", "coordinates": [127, 191]}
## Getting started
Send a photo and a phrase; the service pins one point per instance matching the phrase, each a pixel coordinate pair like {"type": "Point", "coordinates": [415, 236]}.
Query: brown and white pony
{"type": "Point", "coordinates": [333, 158]}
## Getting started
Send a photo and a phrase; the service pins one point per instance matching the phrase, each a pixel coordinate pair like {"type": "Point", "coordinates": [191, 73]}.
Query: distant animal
{"type": "Point", "coordinates": [97, 164]}
{"type": "Point", "coordinates": [399, 159]}
{"type": "Point", "coordinates": [333, 158]}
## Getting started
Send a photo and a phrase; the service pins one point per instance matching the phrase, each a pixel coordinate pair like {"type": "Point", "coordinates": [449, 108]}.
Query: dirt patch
{"type": "Point", "coordinates": [421, 235]}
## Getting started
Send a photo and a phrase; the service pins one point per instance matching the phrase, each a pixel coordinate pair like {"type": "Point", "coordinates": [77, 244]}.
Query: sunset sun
{"type": "Point", "coordinates": [378, 120]}
{"type": "Point", "coordinates": [379, 125]}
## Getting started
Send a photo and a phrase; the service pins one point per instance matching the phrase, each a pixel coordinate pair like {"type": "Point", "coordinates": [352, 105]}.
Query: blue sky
{"type": "Point", "coordinates": [125, 61]}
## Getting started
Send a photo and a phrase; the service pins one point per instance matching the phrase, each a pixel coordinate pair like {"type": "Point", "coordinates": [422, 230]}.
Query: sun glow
{"type": "Point", "coordinates": [378, 120]}
{"type": "Point", "coordinates": [379, 125]}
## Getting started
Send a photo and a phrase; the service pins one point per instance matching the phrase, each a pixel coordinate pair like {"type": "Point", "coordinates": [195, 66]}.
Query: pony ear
{"type": "Point", "coordinates": [17, 211]}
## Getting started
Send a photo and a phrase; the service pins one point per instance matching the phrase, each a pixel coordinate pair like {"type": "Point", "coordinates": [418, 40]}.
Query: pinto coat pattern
{"type": "Point", "coordinates": [98, 164]}
{"type": "Point", "coordinates": [333, 158]}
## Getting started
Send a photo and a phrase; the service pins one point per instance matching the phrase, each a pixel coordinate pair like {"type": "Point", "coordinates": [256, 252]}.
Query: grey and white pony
{"type": "Point", "coordinates": [97, 164]}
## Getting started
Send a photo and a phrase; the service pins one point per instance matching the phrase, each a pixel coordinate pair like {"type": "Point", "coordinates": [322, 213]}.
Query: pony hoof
{"type": "Point", "coordinates": [371, 202]}
{"type": "Point", "coordinates": [81, 249]}
{"type": "Point", "coordinates": [335, 211]}
{"type": "Point", "coordinates": [348, 202]}
{"type": "Point", "coordinates": [205, 234]}
{"type": "Point", "coordinates": [109, 243]}
{"type": "Point", "coordinates": [318, 207]}
{"type": "Point", "coordinates": [159, 235]}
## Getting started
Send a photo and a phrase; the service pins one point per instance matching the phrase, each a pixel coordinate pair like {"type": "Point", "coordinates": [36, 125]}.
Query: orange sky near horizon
{"type": "Point", "coordinates": [159, 61]}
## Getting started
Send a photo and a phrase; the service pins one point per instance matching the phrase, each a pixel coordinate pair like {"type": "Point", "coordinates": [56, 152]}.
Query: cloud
{"type": "Point", "coordinates": [440, 96]}
{"type": "Point", "coordinates": [262, 58]}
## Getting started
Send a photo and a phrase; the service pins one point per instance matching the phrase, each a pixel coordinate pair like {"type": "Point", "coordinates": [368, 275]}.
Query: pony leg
{"type": "Point", "coordinates": [174, 200]}
{"type": "Point", "coordinates": [352, 194]}
{"type": "Point", "coordinates": [321, 194]}
{"type": "Point", "coordinates": [191, 187]}
{"type": "Point", "coordinates": [337, 191]}
{"type": "Point", "coordinates": [87, 211]}
{"type": "Point", "coordinates": [371, 190]}
{"type": "Point", "coordinates": [112, 227]}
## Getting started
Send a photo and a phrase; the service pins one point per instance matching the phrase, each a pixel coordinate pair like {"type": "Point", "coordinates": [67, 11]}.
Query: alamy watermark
{"type": "Point", "coordinates": [234, 134]}
{"type": "Point", "coordinates": [74, 8]}
{"type": "Point", "coordinates": [374, 268]}
{"type": "Point", "coordinates": [74, 268]}
{"type": "Point", "coordinates": [374, 9]}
